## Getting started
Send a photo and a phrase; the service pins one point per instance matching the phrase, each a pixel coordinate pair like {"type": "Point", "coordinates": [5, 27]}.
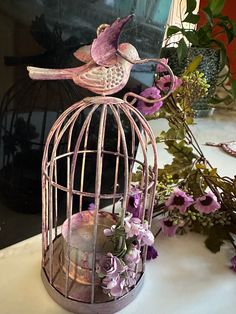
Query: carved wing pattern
{"type": "Point", "coordinates": [102, 80]}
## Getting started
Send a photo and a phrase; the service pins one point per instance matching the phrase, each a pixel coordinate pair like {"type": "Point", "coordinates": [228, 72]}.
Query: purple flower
{"type": "Point", "coordinates": [110, 266]}
{"type": "Point", "coordinates": [131, 277]}
{"type": "Point", "coordinates": [107, 232]}
{"type": "Point", "coordinates": [160, 68]}
{"type": "Point", "coordinates": [178, 199]}
{"type": "Point", "coordinates": [207, 203]}
{"type": "Point", "coordinates": [164, 83]}
{"type": "Point", "coordinates": [134, 202]}
{"type": "Point", "coordinates": [91, 206]}
{"type": "Point", "coordinates": [167, 227]}
{"type": "Point", "coordinates": [150, 93]}
{"type": "Point", "coordinates": [115, 287]}
{"type": "Point", "coordinates": [233, 263]}
{"type": "Point", "coordinates": [133, 227]}
{"type": "Point", "coordinates": [151, 252]}
{"type": "Point", "coordinates": [147, 237]}
{"type": "Point", "coordinates": [109, 282]}
{"type": "Point", "coordinates": [132, 256]}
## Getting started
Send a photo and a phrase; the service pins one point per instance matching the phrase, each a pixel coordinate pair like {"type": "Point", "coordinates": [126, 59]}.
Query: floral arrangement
{"type": "Point", "coordinates": [190, 195]}
{"type": "Point", "coordinates": [118, 270]}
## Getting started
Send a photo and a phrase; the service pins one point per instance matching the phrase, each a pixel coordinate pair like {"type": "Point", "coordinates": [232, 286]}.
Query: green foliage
{"type": "Point", "coordinates": [215, 7]}
{"type": "Point", "coordinates": [189, 168]}
{"type": "Point", "coordinates": [182, 49]}
{"type": "Point", "coordinates": [206, 36]}
{"type": "Point", "coordinates": [233, 83]}
{"type": "Point", "coordinates": [191, 6]}
{"type": "Point", "coordinates": [218, 234]}
{"type": "Point", "coordinates": [191, 18]}
{"type": "Point", "coordinates": [173, 30]}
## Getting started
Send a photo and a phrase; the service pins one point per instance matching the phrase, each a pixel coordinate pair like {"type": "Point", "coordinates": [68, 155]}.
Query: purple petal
{"type": "Point", "coordinates": [104, 47]}
{"type": "Point", "coordinates": [179, 199]}
{"type": "Point", "coordinates": [160, 68]}
{"type": "Point", "coordinates": [167, 227]}
{"type": "Point", "coordinates": [165, 81]}
{"type": "Point", "coordinates": [118, 289]}
{"type": "Point", "coordinates": [91, 206]}
{"type": "Point", "coordinates": [233, 263]}
{"type": "Point", "coordinates": [207, 203]}
{"type": "Point", "coordinates": [147, 238]}
{"type": "Point", "coordinates": [151, 253]}
{"type": "Point", "coordinates": [150, 93]}
{"type": "Point", "coordinates": [134, 202]}
{"type": "Point", "coordinates": [107, 232]}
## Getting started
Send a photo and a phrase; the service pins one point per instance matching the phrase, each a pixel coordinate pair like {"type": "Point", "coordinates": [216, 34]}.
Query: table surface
{"type": "Point", "coordinates": [185, 279]}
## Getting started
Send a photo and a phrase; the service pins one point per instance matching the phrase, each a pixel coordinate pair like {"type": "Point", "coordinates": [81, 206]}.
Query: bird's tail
{"type": "Point", "coordinates": [49, 74]}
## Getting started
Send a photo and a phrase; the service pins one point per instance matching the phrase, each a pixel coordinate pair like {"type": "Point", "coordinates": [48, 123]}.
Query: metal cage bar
{"type": "Point", "coordinates": [63, 130]}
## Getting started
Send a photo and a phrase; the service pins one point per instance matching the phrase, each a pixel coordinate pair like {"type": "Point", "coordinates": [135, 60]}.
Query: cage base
{"type": "Point", "coordinates": [77, 307]}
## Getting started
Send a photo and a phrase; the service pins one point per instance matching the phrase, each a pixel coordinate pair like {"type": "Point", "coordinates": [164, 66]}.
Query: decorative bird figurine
{"type": "Point", "coordinates": [107, 65]}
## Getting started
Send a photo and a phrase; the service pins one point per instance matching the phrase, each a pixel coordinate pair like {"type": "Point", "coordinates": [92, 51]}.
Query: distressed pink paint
{"type": "Point", "coordinates": [61, 273]}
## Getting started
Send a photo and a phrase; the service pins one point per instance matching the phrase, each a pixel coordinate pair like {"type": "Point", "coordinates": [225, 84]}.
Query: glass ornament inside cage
{"type": "Point", "coordinates": [94, 262]}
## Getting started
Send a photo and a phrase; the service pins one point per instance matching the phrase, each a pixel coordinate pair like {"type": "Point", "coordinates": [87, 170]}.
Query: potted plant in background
{"type": "Point", "coordinates": [204, 41]}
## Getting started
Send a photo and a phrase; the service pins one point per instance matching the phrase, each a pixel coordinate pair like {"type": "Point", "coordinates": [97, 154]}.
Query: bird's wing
{"type": "Point", "coordinates": [104, 47]}
{"type": "Point", "coordinates": [83, 54]}
{"type": "Point", "coordinates": [102, 80]}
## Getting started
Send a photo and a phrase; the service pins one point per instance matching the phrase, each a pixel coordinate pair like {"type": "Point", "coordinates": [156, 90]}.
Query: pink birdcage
{"type": "Point", "coordinates": [94, 261]}
{"type": "Point", "coordinates": [70, 252]}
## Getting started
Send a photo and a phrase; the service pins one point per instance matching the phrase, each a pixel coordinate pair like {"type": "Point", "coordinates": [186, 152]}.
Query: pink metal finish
{"type": "Point", "coordinates": [61, 269]}
{"type": "Point", "coordinates": [70, 256]}
{"type": "Point", "coordinates": [99, 79]}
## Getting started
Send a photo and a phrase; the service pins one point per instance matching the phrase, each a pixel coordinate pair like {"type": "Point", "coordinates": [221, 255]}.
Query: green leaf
{"type": "Point", "coordinates": [228, 30]}
{"type": "Point", "coordinates": [180, 151]}
{"type": "Point", "coordinates": [182, 50]}
{"type": "Point", "coordinates": [216, 237]}
{"type": "Point", "coordinates": [189, 120]}
{"type": "Point", "coordinates": [213, 244]}
{"type": "Point", "coordinates": [200, 166]}
{"type": "Point", "coordinates": [234, 28]}
{"type": "Point", "coordinates": [136, 177]}
{"type": "Point", "coordinates": [192, 66]}
{"type": "Point", "coordinates": [224, 186]}
{"type": "Point", "coordinates": [213, 172]}
{"type": "Point", "coordinates": [216, 6]}
{"type": "Point", "coordinates": [233, 86]}
{"type": "Point", "coordinates": [191, 5]}
{"type": "Point", "coordinates": [192, 37]}
{"type": "Point", "coordinates": [204, 36]}
{"type": "Point", "coordinates": [172, 30]}
{"type": "Point", "coordinates": [230, 34]}
{"type": "Point", "coordinates": [191, 18]}
{"type": "Point", "coordinates": [208, 14]}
